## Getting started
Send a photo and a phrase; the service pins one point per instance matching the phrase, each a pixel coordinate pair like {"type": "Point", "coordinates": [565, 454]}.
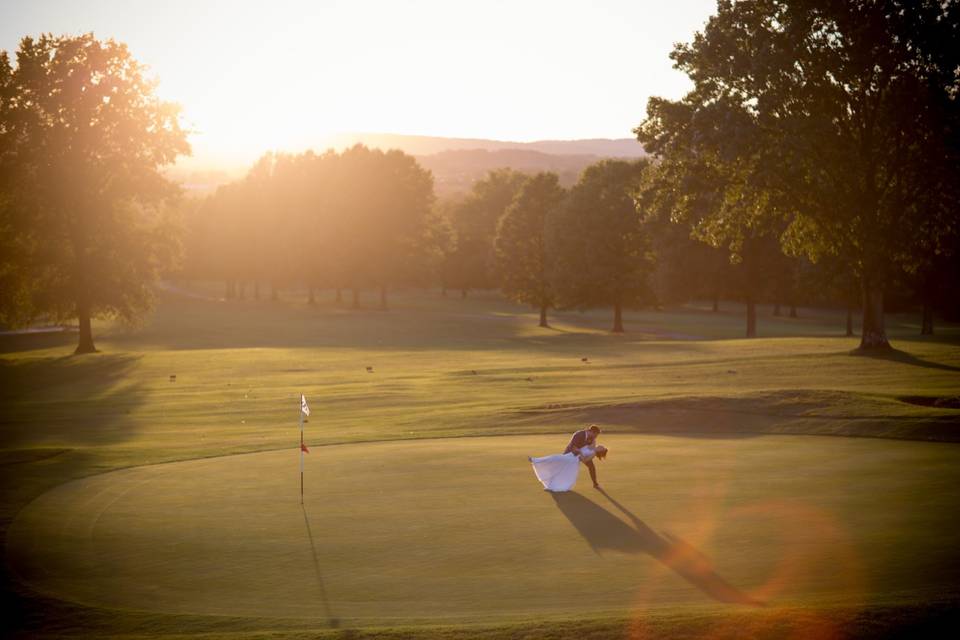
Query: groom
{"type": "Point", "coordinates": [581, 439]}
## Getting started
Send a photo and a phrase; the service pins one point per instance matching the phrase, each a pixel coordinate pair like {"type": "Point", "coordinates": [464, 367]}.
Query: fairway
{"type": "Point", "coordinates": [154, 488]}
{"type": "Point", "coordinates": [458, 530]}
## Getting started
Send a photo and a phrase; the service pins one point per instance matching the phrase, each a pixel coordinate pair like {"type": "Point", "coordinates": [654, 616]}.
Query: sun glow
{"type": "Point", "coordinates": [286, 75]}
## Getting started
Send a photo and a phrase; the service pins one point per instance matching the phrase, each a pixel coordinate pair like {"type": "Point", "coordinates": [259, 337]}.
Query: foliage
{"type": "Point", "coordinates": [837, 117]}
{"type": "Point", "coordinates": [474, 221]}
{"type": "Point", "coordinates": [525, 252]}
{"type": "Point", "coordinates": [83, 136]}
{"type": "Point", "coordinates": [604, 252]}
{"type": "Point", "coordinates": [355, 219]}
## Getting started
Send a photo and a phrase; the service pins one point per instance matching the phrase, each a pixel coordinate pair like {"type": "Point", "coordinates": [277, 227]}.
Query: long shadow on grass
{"type": "Point", "coordinates": [605, 531]}
{"type": "Point", "coordinates": [69, 400]}
{"type": "Point", "coordinates": [895, 355]}
{"type": "Point", "coordinates": [12, 343]}
{"type": "Point", "coordinates": [331, 620]}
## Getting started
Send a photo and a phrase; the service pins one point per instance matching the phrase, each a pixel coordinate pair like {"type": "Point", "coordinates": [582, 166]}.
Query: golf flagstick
{"type": "Point", "coordinates": [304, 410]}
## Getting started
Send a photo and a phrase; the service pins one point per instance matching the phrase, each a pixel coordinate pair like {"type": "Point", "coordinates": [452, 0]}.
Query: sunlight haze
{"type": "Point", "coordinates": [253, 76]}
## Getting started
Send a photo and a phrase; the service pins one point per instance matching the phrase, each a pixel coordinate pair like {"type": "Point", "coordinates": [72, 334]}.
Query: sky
{"type": "Point", "coordinates": [283, 74]}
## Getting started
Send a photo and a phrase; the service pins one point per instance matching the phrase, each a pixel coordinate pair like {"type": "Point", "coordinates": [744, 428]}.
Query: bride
{"type": "Point", "coordinates": [559, 472]}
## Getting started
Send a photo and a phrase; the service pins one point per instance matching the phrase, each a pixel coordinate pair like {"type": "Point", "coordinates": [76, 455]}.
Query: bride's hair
{"type": "Point", "coordinates": [601, 452]}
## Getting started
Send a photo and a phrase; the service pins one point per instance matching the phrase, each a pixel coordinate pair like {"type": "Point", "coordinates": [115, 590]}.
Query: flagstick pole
{"type": "Point", "coordinates": [301, 454]}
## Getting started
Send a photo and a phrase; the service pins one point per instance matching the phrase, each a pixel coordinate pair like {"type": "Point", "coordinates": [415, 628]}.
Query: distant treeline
{"type": "Point", "coordinates": [367, 220]}
{"type": "Point", "coordinates": [815, 160]}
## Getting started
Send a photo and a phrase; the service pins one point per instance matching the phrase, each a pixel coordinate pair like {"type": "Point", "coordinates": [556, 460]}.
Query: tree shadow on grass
{"type": "Point", "coordinates": [605, 531]}
{"type": "Point", "coordinates": [35, 374]}
{"type": "Point", "coordinates": [896, 355]}
{"type": "Point", "coordinates": [14, 342]}
{"type": "Point", "coordinates": [69, 400]}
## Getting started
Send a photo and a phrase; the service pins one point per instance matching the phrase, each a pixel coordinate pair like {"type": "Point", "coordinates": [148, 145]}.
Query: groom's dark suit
{"type": "Point", "coordinates": [579, 440]}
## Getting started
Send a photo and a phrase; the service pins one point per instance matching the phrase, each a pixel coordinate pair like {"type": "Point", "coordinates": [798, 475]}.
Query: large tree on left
{"type": "Point", "coordinates": [82, 139]}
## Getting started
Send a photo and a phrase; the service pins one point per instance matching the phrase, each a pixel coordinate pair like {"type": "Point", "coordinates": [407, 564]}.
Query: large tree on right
{"type": "Point", "coordinates": [839, 119]}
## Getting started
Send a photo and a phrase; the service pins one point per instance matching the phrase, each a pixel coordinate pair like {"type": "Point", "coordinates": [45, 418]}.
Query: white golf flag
{"type": "Point", "coordinates": [303, 405]}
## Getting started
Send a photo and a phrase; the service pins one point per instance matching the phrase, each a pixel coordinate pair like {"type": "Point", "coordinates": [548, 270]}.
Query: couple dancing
{"type": "Point", "coordinates": [559, 472]}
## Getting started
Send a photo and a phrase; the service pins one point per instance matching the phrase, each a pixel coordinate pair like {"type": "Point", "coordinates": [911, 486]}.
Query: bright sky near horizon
{"type": "Point", "coordinates": [253, 76]}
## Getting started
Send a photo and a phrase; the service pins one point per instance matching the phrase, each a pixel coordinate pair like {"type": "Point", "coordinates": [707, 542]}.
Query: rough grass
{"type": "Point", "coordinates": [442, 368]}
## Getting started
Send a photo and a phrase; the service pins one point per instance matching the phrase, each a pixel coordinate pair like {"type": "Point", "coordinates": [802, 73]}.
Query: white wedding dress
{"type": "Point", "coordinates": [559, 472]}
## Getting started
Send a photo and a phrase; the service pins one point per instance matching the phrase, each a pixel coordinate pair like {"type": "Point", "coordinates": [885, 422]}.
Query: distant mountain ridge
{"type": "Point", "coordinates": [426, 145]}
{"type": "Point", "coordinates": [456, 163]}
{"type": "Point", "coordinates": [455, 171]}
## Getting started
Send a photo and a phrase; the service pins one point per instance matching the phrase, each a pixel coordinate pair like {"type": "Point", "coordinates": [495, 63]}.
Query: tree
{"type": "Point", "coordinates": [603, 251]}
{"type": "Point", "coordinates": [852, 111]}
{"type": "Point", "coordinates": [524, 253]}
{"type": "Point", "coordinates": [475, 220]}
{"type": "Point", "coordinates": [401, 225]}
{"type": "Point", "coordinates": [83, 138]}
{"type": "Point", "coordinates": [440, 244]}
{"type": "Point", "coordinates": [710, 192]}
{"type": "Point", "coordinates": [316, 223]}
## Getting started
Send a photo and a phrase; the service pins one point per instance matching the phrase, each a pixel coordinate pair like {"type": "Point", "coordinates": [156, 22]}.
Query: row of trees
{"type": "Point", "coordinates": [363, 218]}
{"type": "Point", "coordinates": [353, 220]}
{"type": "Point", "coordinates": [831, 127]}
{"type": "Point", "coordinates": [611, 241]}
{"type": "Point", "coordinates": [585, 248]}
{"type": "Point", "coordinates": [333, 221]}
{"type": "Point", "coordinates": [819, 149]}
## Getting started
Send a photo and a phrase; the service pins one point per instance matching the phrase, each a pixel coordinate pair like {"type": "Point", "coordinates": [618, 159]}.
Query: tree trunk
{"type": "Point", "coordinates": [617, 317]}
{"type": "Point", "coordinates": [463, 293]}
{"type": "Point", "coordinates": [543, 315]}
{"type": "Point", "coordinates": [751, 318]}
{"type": "Point", "coordinates": [339, 297]}
{"type": "Point", "coordinates": [927, 326]}
{"type": "Point", "coordinates": [793, 310]}
{"type": "Point", "coordinates": [311, 299]}
{"type": "Point", "coordinates": [716, 302]}
{"type": "Point", "coordinates": [849, 320]}
{"type": "Point", "coordinates": [776, 309]}
{"type": "Point", "coordinates": [256, 289]}
{"type": "Point", "coordinates": [383, 297]}
{"type": "Point", "coordinates": [274, 293]}
{"type": "Point", "coordinates": [874, 334]}
{"type": "Point", "coordinates": [356, 298]}
{"type": "Point", "coordinates": [443, 290]}
{"type": "Point", "coordinates": [85, 344]}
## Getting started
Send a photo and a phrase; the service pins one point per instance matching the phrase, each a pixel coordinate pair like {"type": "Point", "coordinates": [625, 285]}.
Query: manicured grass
{"type": "Point", "coordinates": [459, 531]}
{"type": "Point", "coordinates": [479, 367]}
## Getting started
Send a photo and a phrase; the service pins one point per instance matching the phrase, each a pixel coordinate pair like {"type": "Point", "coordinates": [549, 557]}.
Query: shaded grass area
{"type": "Point", "coordinates": [937, 618]}
{"type": "Point", "coordinates": [440, 368]}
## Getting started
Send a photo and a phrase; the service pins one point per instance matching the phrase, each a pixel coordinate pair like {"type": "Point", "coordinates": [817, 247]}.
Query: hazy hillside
{"type": "Point", "coordinates": [425, 145]}
{"type": "Point", "coordinates": [456, 163]}
{"type": "Point", "coordinates": [456, 171]}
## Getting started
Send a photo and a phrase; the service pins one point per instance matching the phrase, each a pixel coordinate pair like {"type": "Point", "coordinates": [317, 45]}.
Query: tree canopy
{"type": "Point", "coordinates": [82, 137]}
{"type": "Point", "coordinates": [525, 250]}
{"type": "Point", "coordinates": [474, 222]}
{"type": "Point", "coordinates": [357, 219]}
{"type": "Point", "coordinates": [604, 252]}
{"type": "Point", "coordinates": [835, 119]}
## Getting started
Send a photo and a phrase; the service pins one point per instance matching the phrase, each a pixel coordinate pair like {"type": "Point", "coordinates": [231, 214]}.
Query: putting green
{"type": "Point", "coordinates": [459, 530]}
